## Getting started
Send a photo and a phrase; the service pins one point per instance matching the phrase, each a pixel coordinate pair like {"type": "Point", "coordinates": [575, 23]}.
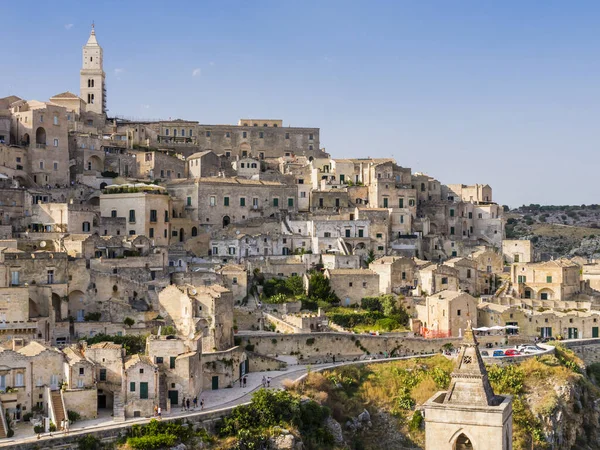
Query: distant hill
{"type": "Point", "coordinates": [557, 231]}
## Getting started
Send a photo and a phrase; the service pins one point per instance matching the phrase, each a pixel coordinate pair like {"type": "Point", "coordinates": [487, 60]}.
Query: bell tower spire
{"type": "Point", "coordinates": [92, 76]}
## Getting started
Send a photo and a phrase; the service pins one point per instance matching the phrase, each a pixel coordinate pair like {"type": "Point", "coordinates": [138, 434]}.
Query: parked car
{"type": "Point", "coordinates": [489, 345]}
{"type": "Point", "coordinates": [498, 353]}
{"type": "Point", "coordinates": [529, 349]}
{"type": "Point", "coordinates": [511, 352]}
{"type": "Point", "coordinates": [485, 353]}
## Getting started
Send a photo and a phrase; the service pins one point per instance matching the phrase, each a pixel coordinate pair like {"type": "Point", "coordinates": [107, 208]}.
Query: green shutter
{"type": "Point", "coordinates": [242, 201]}
{"type": "Point", "coordinates": [225, 201]}
{"type": "Point", "coordinates": [385, 202]}
{"type": "Point", "coordinates": [143, 390]}
{"type": "Point", "coordinates": [401, 203]}
{"type": "Point", "coordinates": [548, 279]}
{"type": "Point", "coordinates": [172, 362]}
{"type": "Point", "coordinates": [132, 386]}
{"type": "Point", "coordinates": [275, 201]}
{"type": "Point", "coordinates": [291, 202]}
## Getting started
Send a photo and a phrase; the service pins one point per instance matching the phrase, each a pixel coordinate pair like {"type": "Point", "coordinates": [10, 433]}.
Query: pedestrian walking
{"type": "Point", "coordinates": [155, 410]}
{"type": "Point", "coordinates": [334, 359]}
{"type": "Point", "coordinates": [268, 381]}
{"type": "Point", "coordinates": [195, 402]}
{"type": "Point", "coordinates": [201, 404]}
{"type": "Point", "coordinates": [188, 404]}
{"type": "Point", "coordinates": [241, 381]}
{"type": "Point", "coordinates": [183, 404]}
{"type": "Point", "coordinates": [159, 412]}
{"type": "Point", "coordinates": [244, 381]}
{"type": "Point", "coordinates": [264, 382]}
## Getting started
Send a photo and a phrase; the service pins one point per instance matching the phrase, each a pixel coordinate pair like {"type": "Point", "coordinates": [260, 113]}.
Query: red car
{"type": "Point", "coordinates": [511, 352]}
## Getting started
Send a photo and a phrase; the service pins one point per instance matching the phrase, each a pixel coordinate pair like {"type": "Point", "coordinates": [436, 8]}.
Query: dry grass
{"type": "Point", "coordinates": [558, 230]}
{"type": "Point", "coordinates": [289, 385]}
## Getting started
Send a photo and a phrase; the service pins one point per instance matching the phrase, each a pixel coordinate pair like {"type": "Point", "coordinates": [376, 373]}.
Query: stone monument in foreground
{"type": "Point", "coordinates": [468, 415]}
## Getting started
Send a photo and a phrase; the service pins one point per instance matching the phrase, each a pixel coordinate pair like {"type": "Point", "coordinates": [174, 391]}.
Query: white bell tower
{"type": "Point", "coordinates": [92, 76]}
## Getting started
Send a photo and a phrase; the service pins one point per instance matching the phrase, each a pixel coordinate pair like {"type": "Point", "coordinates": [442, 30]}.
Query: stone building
{"type": "Point", "coordinates": [146, 207]}
{"type": "Point", "coordinates": [446, 313]}
{"type": "Point", "coordinates": [469, 415]}
{"type": "Point", "coordinates": [203, 164]}
{"type": "Point", "coordinates": [352, 285]}
{"type": "Point", "coordinates": [397, 274]}
{"type": "Point", "coordinates": [141, 386]}
{"type": "Point", "coordinates": [519, 250]}
{"type": "Point", "coordinates": [216, 201]}
{"type": "Point", "coordinates": [468, 277]}
{"type": "Point", "coordinates": [551, 280]}
{"type": "Point", "coordinates": [435, 278]}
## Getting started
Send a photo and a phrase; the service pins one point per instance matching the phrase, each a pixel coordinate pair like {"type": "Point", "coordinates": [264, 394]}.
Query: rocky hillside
{"type": "Point", "coordinates": [557, 231]}
{"type": "Point", "coordinates": [555, 402]}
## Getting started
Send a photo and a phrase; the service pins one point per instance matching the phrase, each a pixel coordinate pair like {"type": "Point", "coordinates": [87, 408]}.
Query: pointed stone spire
{"type": "Point", "coordinates": [92, 40]}
{"type": "Point", "coordinates": [470, 384]}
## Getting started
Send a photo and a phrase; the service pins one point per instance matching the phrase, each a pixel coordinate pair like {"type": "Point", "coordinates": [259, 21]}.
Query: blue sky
{"type": "Point", "coordinates": [505, 93]}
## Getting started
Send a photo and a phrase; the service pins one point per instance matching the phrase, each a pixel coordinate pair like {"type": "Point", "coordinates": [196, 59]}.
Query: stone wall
{"type": "Point", "coordinates": [83, 401]}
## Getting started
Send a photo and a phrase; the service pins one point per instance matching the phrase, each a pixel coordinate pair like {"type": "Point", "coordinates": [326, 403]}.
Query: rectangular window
{"type": "Point", "coordinates": [225, 201]}
{"type": "Point", "coordinates": [458, 312]}
{"type": "Point", "coordinates": [385, 202]}
{"type": "Point", "coordinates": [151, 232]}
{"type": "Point", "coordinates": [132, 386]}
{"type": "Point", "coordinates": [50, 275]}
{"type": "Point", "coordinates": [444, 280]}
{"type": "Point", "coordinates": [102, 374]}
{"type": "Point", "coordinates": [452, 230]}
{"type": "Point", "coordinates": [275, 202]}
{"type": "Point", "coordinates": [132, 216]}
{"type": "Point", "coordinates": [212, 200]}
{"type": "Point", "coordinates": [153, 215]}
{"type": "Point", "coordinates": [208, 134]}
{"type": "Point", "coordinates": [14, 278]}
{"type": "Point", "coordinates": [401, 203]}
{"type": "Point", "coordinates": [401, 219]}
{"type": "Point", "coordinates": [361, 233]}
{"type": "Point", "coordinates": [232, 250]}
{"type": "Point", "coordinates": [242, 201]}
{"type": "Point", "coordinates": [81, 371]}
{"type": "Point", "coordinates": [19, 380]}
{"type": "Point", "coordinates": [347, 233]}
{"type": "Point", "coordinates": [310, 136]}
{"type": "Point", "coordinates": [290, 202]}
{"type": "Point", "coordinates": [549, 279]}
{"type": "Point", "coordinates": [261, 135]}
{"type": "Point", "coordinates": [159, 360]}
{"type": "Point", "coordinates": [227, 134]}
{"type": "Point", "coordinates": [379, 235]}
{"type": "Point", "coordinates": [56, 142]}
{"type": "Point", "coordinates": [521, 279]}
{"type": "Point", "coordinates": [166, 216]}
{"type": "Point", "coordinates": [327, 234]}
{"type": "Point", "coordinates": [56, 167]}
{"type": "Point", "coordinates": [287, 135]}
{"type": "Point", "coordinates": [404, 275]}
{"type": "Point", "coordinates": [189, 201]}
{"type": "Point", "coordinates": [215, 250]}
{"type": "Point", "coordinates": [172, 362]}
{"type": "Point", "coordinates": [451, 213]}
{"type": "Point", "coordinates": [244, 134]}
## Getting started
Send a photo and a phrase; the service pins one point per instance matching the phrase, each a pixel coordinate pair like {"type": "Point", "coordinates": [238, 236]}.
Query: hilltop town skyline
{"type": "Point", "coordinates": [432, 89]}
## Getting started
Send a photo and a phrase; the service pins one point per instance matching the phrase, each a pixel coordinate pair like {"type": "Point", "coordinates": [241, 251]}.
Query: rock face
{"type": "Point", "coordinates": [285, 441]}
{"type": "Point", "coordinates": [574, 421]}
{"type": "Point", "coordinates": [334, 427]}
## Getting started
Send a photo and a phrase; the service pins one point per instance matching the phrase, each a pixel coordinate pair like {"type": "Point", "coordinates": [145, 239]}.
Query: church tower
{"type": "Point", "coordinates": [92, 76]}
{"type": "Point", "coordinates": [469, 415]}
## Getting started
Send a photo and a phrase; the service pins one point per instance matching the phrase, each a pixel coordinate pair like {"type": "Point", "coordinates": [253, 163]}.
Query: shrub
{"type": "Point", "coordinates": [152, 442]}
{"type": "Point", "coordinates": [73, 416]}
{"type": "Point", "coordinates": [250, 347]}
{"type": "Point", "coordinates": [129, 321]}
{"type": "Point", "coordinates": [27, 416]}
{"type": "Point", "coordinates": [38, 429]}
{"type": "Point", "coordinates": [310, 341]}
{"type": "Point", "coordinates": [416, 421]}
{"type": "Point", "coordinates": [52, 427]}
{"type": "Point", "coordinates": [89, 442]}
{"type": "Point", "coordinates": [132, 344]}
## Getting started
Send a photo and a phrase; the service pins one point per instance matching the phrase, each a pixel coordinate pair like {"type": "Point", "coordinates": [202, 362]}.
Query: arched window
{"type": "Point", "coordinates": [55, 120]}
{"type": "Point", "coordinates": [194, 231]}
{"type": "Point", "coordinates": [463, 443]}
{"type": "Point", "coordinates": [167, 132]}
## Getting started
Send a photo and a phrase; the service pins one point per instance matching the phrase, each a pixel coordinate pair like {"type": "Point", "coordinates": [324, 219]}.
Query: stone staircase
{"type": "Point", "coordinates": [118, 408]}
{"type": "Point", "coordinates": [59, 410]}
{"type": "Point", "coordinates": [162, 391]}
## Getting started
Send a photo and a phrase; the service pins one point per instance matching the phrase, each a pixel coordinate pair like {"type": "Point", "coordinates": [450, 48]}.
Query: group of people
{"type": "Point", "coordinates": [266, 382]}
{"type": "Point", "coordinates": [185, 404]}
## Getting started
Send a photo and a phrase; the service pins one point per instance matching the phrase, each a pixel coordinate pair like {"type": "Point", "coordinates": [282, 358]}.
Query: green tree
{"type": "Point", "coordinates": [129, 321]}
{"type": "Point", "coordinates": [320, 288]}
{"type": "Point", "coordinates": [295, 285]}
{"type": "Point", "coordinates": [370, 257]}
